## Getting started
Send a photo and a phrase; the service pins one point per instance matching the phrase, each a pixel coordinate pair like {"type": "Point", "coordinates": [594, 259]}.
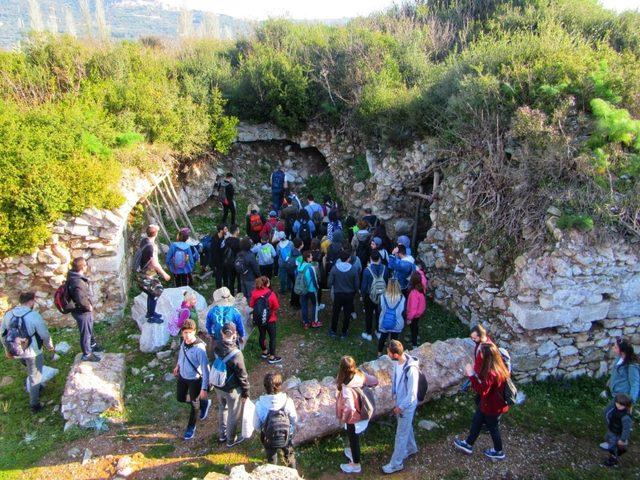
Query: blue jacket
{"type": "Point", "coordinates": [311, 277]}
{"type": "Point", "coordinates": [625, 379]}
{"type": "Point", "coordinates": [402, 270]}
{"type": "Point", "coordinates": [221, 314]}
{"type": "Point", "coordinates": [367, 278]}
{"type": "Point", "coordinates": [189, 250]}
{"type": "Point", "coordinates": [265, 253]}
{"type": "Point", "coordinates": [297, 224]}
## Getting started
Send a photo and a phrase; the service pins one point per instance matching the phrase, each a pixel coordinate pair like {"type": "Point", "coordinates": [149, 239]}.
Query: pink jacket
{"type": "Point", "coordinates": [416, 305]}
{"type": "Point", "coordinates": [347, 401]}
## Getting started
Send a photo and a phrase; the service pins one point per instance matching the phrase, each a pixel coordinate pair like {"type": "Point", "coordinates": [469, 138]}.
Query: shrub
{"type": "Point", "coordinates": [578, 222]}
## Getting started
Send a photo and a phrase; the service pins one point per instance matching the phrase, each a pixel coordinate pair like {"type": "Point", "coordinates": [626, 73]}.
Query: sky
{"type": "Point", "coordinates": [317, 9]}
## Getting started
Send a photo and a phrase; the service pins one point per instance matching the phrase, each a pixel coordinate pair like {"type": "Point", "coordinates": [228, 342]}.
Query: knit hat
{"type": "Point", "coordinates": [377, 241]}
{"type": "Point", "coordinates": [273, 213]}
{"type": "Point", "coordinates": [404, 240]}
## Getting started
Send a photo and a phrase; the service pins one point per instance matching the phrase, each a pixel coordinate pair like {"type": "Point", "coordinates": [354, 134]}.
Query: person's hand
{"type": "Point", "coordinates": [8, 355]}
{"type": "Point", "coordinates": [397, 410]}
{"type": "Point", "coordinates": [468, 368]}
{"type": "Point", "coordinates": [51, 348]}
{"type": "Point", "coordinates": [176, 371]}
{"type": "Point", "coordinates": [167, 277]}
{"type": "Point", "coordinates": [394, 251]}
{"type": "Point", "coordinates": [622, 443]}
{"type": "Point", "coordinates": [203, 395]}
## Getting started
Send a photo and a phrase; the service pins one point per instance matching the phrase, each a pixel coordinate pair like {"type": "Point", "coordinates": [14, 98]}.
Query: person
{"type": "Point", "coordinates": [82, 312]}
{"type": "Point", "coordinates": [294, 200]}
{"type": "Point", "coordinates": [313, 209]}
{"type": "Point", "coordinates": [370, 218]}
{"type": "Point", "coordinates": [232, 395]}
{"type": "Point", "coordinates": [289, 182]}
{"type": "Point", "coordinates": [361, 243]}
{"type": "Point", "coordinates": [488, 383]}
{"type": "Point", "coordinates": [401, 266]}
{"type": "Point", "coordinates": [24, 317]}
{"type": "Point", "coordinates": [255, 222]}
{"type": "Point", "coordinates": [376, 244]}
{"type": "Point", "coordinates": [308, 300]}
{"type": "Point", "coordinates": [317, 260]}
{"type": "Point", "coordinates": [147, 269]}
{"type": "Point", "coordinates": [404, 241]}
{"type": "Point", "coordinates": [277, 188]}
{"type": "Point", "coordinates": [283, 249]}
{"type": "Point", "coordinates": [333, 252]}
{"type": "Point", "coordinates": [266, 255]}
{"type": "Point", "coordinates": [349, 409]}
{"type": "Point", "coordinates": [231, 248]}
{"type": "Point", "coordinates": [216, 253]}
{"type": "Point", "coordinates": [390, 321]}
{"type": "Point", "coordinates": [246, 267]}
{"type": "Point", "coordinates": [625, 372]}
{"type": "Point", "coordinates": [404, 390]}
{"type": "Point", "coordinates": [375, 277]}
{"type": "Point", "coordinates": [343, 281]}
{"type": "Point", "coordinates": [223, 311]}
{"type": "Point", "coordinates": [619, 422]}
{"type": "Point", "coordinates": [187, 310]}
{"type": "Point", "coordinates": [182, 259]}
{"type": "Point", "coordinates": [271, 226]}
{"type": "Point", "coordinates": [334, 223]}
{"type": "Point", "coordinates": [304, 228]}
{"type": "Point", "coordinates": [226, 195]}
{"type": "Point", "coordinates": [292, 267]}
{"type": "Point", "coordinates": [421, 270]}
{"type": "Point", "coordinates": [263, 290]}
{"type": "Point", "coordinates": [273, 410]}
{"type": "Point", "coordinates": [192, 372]}
{"type": "Point", "coordinates": [416, 305]}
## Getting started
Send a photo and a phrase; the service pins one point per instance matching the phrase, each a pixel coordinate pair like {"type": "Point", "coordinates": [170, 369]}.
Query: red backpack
{"type": "Point", "coordinates": [255, 222]}
{"type": "Point", "coordinates": [61, 299]}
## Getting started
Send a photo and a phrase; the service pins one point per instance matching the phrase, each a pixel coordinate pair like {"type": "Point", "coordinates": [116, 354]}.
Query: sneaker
{"type": "Point", "coordinates": [264, 356]}
{"type": "Point", "coordinates": [493, 455]}
{"type": "Point", "coordinates": [190, 432]}
{"type": "Point", "coordinates": [463, 445]}
{"type": "Point", "coordinates": [275, 359]}
{"type": "Point", "coordinates": [610, 462]}
{"type": "Point", "coordinates": [205, 412]}
{"type": "Point", "coordinates": [332, 334]}
{"type": "Point", "coordinates": [366, 336]}
{"type": "Point", "coordinates": [388, 468]}
{"type": "Point", "coordinates": [155, 320]}
{"type": "Point", "coordinates": [321, 306]}
{"type": "Point", "coordinates": [305, 326]}
{"type": "Point", "coordinates": [354, 315]}
{"type": "Point", "coordinates": [97, 348]}
{"type": "Point", "coordinates": [222, 438]}
{"type": "Point", "coordinates": [605, 446]}
{"type": "Point", "coordinates": [343, 336]}
{"type": "Point", "coordinates": [235, 442]}
{"type": "Point", "coordinates": [314, 325]}
{"type": "Point", "coordinates": [350, 467]}
{"type": "Point", "coordinates": [347, 453]}
{"type": "Point", "coordinates": [37, 407]}
{"type": "Point", "coordinates": [90, 358]}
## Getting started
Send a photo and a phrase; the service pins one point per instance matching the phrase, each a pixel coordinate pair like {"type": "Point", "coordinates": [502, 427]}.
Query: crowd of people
{"type": "Point", "coordinates": [313, 250]}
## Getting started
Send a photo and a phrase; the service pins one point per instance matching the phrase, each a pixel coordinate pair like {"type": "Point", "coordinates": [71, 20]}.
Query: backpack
{"type": "Point", "coordinates": [261, 311]}
{"type": "Point", "coordinates": [317, 216]}
{"type": "Point", "coordinates": [300, 287]}
{"type": "Point", "coordinates": [292, 263]}
{"type": "Point", "coordinates": [240, 265]}
{"type": "Point", "coordinates": [285, 252]}
{"type": "Point", "coordinates": [255, 222]}
{"type": "Point", "coordinates": [277, 181]}
{"type": "Point", "coordinates": [389, 318]}
{"type": "Point", "coordinates": [17, 337]}
{"type": "Point", "coordinates": [367, 402]}
{"type": "Point", "coordinates": [276, 431]}
{"type": "Point", "coordinates": [218, 374]}
{"type": "Point", "coordinates": [220, 319]}
{"type": "Point", "coordinates": [229, 257]}
{"type": "Point", "coordinates": [62, 300]}
{"type": "Point", "coordinates": [304, 233]}
{"type": "Point", "coordinates": [509, 392]}
{"type": "Point", "coordinates": [378, 286]}
{"type": "Point", "coordinates": [181, 258]}
{"type": "Point", "coordinates": [423, 383]}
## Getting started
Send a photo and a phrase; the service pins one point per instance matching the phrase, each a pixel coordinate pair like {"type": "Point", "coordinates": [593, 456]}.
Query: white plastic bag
{"type": "Point", "coordinates": [248, 412]}
{"type": "Point", "coordinates": [361, 426]}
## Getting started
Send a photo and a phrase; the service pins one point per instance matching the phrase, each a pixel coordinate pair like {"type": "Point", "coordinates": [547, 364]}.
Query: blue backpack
{"type": "Point", "coordinates": [389, 318]}
{"type": "Point", "coordinates": [285, 252]}
{"type": "Point", "coordinates": [181, 259]}
{"type": "Point", "coordinates": [277, 181]}
{"type": "Point", "coordinates": [220, 319]}
{"type": "Point", "coordinates": [218, 374]}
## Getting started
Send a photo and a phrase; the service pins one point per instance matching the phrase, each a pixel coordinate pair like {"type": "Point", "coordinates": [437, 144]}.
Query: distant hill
{"type": "Point", "coordinates": [126, 19]}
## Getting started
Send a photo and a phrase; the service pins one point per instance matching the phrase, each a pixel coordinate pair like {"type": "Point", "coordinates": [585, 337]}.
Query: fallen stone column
{"type": "Point", "coordinates": [442, 362]}
{"type": "Point", "coordinates": [93, 388]}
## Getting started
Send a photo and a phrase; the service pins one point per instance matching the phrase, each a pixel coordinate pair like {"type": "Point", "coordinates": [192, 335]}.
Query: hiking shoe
{"type": "Point", "coordinates": [155, 320]}
{"type": "Point", "coordinates": [388, 468]}
{"type": "Point", "coordinates": [350, 467]}
{"type": "Point", "coordinates": [332, 334]}
{"type": "Point", "coordinates": [205, 412]}
{"type": "Point", "coordinates": [90, 358]}
{"type": "Point", "coordinates": [610, 462]}
{"type": "Point", "coordinates": [463, 445]}
{"type": "Point", "coordinates": [97, 348]}
{"type": "Point", "coordinates": [493, 455]}
{"type": "Point", "coordinates": [275, 359]}
{"type": "Point", "coordinates": [37, 407]}
{"type": "Point", "coordinates": [343, 336]}
{"type": "Point", "coordinates": [189, 433]}
{"type": "Point", "coordinates": [605, 446]}
{"type": "Point", "coordinates": [235, 442]}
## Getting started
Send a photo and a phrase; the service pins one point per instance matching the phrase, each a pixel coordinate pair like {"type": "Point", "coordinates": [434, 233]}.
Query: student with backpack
{"type": "Point", "coordinates": [265, 305]}
{"type": "Point", "coordinates": [283, 249]}
{"type": "Point", "coordinates": [271, 226]}
{"type": "Point", "coordinates": [277, 188]}
{"type": "Point", "coordinates": [230, 250]}
{"type": "Point", "coordinates": [231, 383]}
{"type": "Point", "coordinates": [372, 288]}
{"type": "Point", "coordinates": [23, 334]}
{"type": "Point", "coordinates": [313, 209]}
{"type": "Point", "coordinates": [292, 268]}
{"type": "Point", "coordinates": [255, 222]}
{"type": "Point", "coordinates": [391, 321]}
{"type": "Point", "coordinates": [489, 383]}
{"type": "Point", "coordinates": [376, 245]}
{"type": "Point", "coordinates": [361, 243]}
{"type": "Point", "coordinates": [187, 310]}
{"type": "Point", "coordinates": [246, 267]}
{"type": "Point", "coordinates": [625, 372]}
{"type": "Point", "coordinates": [354, 408]}
{"type": "Point", "coordinates": [226, 197]}
{"type": "Point", "coordinates": [304, 228]}
{"type": "Point", "coordinates": [416, 305]}
{"type": "Point", "coordinates": [192, 372]}
{"type": "Point", "coordinates": [222, 312]}
{"type": "Point", "coordinates": [402, 267]}
{"type": "Point", "coordinates": [216, 253]}
{"type": "Point", "coordinates": [619, 422]}
{"type": "Point", "coordinates": [405, 391]}
{"type": "Point", "coordinates": [182, 259]}
{"type": "Point", "coordinates": [147, 268]}
{"type": "Point", "coordinates": [306, 287]}
{"type": "Point", "coordinates": [266, 255]}
{"type": "Point", "coordinates": [343, 281]}
{"type": "Point", "coordinates": [334, 224]}
{"type": "Point", "coordinates": [275, 416]}
{"type": "Point", "coordinates": [317, 260]}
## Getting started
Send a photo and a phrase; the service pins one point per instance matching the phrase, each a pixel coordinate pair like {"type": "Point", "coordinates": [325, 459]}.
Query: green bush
{"type": "Point", "coordinates": [578, 222]}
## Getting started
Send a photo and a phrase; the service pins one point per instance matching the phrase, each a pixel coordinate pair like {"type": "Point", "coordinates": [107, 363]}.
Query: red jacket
{"type": "Point", "coordinates": [274, 303]}
{"type": "Point", "coordinates": [491, 394]}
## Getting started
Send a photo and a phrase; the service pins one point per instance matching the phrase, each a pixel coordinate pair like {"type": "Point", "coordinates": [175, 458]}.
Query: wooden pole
{"type": "Point", "coordinates": [158, 219]}
{"type": "Point", "coordinates": [182, 209]}
{"type": "Point", "coordinates": [414, 233]}
{"type": "Point", "coordinates": [166, 206]}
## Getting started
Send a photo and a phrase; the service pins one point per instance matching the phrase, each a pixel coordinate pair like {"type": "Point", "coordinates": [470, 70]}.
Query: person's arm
{"type": "Point", "coordinates": [204, 368]}
{"type": "Point", "coordinates": [3, 330]}
{"type": "Point", "coordinates": [481, 387]}
{"type": "Point", "coordinates": [626, 429]}
{"type": "Point", "coordinates": [254, 266]}
{"type": "Point", "coordinates": [237, 319]}
{"type": "Point", "coordinates": [634, 381]}
{"type": "Point", "coordinates": [209, 321]}
{"type": "Point", "coordinates": [274, 302]}
{"type": "Point", "coordinates": [411, 392]}
{"type": "Point", "coordinates": [80, 297]}
{"type": "Point", "coordinates": [273, 251]}
{"type": "Point", "coordinates": [364, 286]}
{"type": "Point", "coordinates": [312, 227]}
{"type": "Point", "coordinates": [42, 330]}
{"type": "Point", "coordinates": [241, 373]}
{"type": "Point", "coordinates": [155, 265]}
{"type": "Point", "coordinates": [290, 408]}
{"type": "Point", "coordinates": [411, 305]}
{"type": "Point", "coordinates": [169, 256]}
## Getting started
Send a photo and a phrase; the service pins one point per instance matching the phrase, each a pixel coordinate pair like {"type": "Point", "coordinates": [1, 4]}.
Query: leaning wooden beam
{"type": "Point", "coordinates": [421, 196]}
{"type": "Point", "coordinates": [182, 209]}
{"type": "Point", "coordinates": [416, 220]}
{"type": "Point", "coordinates": [158, 218]}
{"type": "Point", "coordinates": [166, 205]}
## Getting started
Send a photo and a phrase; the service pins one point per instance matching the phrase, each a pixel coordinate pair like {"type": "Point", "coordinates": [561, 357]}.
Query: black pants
{"type": "Point", "coordinates": [183, 280]}
{"type": "Point", "coordinates": [383, 340]}
{"type": "Point", "coordinates": [269, 328]}
{"type": "Point", "coordinates": [354, 442]}
{"type": "Point", "coordinates": [414, 331]}
{"type": "Point", "coordinates": [266, 270]}
{"type": "Point", "coordinates": [230, 208]}
{"type": "Point", "coordinates": [371, 313]}
{"type": "Point", "coordinates": [193, 388]}
{"type": "Point", "coordinates": [231, 279]}
{"type": "Point", "coordinates": [342, 302]}
{"type": "Point", "coordinates": [491, 421]}
{"type": "Point", "coordinates": [217, 273]}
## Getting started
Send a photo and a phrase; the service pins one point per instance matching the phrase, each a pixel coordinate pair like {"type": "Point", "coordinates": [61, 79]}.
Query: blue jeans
{"type": "Point", "coordinates": [85, 326]}
{"type": "Point", "coordinates": [276, 200]}
{"type": "Point", "coordinates": [151, 305]}
{"type": "Point", "coordinates": [405, 443]}
{"type": "Point", "coordinates": [304, 303]}
{"type": "Point", "coordinates": [285, 282]}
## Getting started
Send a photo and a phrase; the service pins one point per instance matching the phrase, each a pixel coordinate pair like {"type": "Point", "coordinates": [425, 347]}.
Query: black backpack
{"type": "Point", "coordinates": [229, 257]}
{"type": "Point", "coordinates": [291, 265]}
{"type": "Point", "coordinates": [17, 337]}
{"type": "Point", "coordinates": [261, 311]}
{"type": "Point", "coordinates": [276, 431]}
{"type": "Point", "coordinates": [423, 383]}
{"type": "Point", "coordinates": [304, 233]}
{"type": "Point", "coordinates": [240, 265]}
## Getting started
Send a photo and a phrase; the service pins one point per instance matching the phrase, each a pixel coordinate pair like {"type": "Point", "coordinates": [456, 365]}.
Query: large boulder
{"type": "Point", "coordinates": [442, 362]}
{"type": "Point", "coordinates": [263, 472]}
{"type": "Point", "coordinates": [93, 388]}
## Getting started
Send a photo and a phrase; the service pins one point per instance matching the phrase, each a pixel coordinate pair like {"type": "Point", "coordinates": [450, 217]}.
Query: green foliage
{"type": "Point", "coordinates": [360, 168]}
{"type": "Point", "coordinates": [616, 124]}
{"type": "Point", "coordinates": [222, 128]}
{"type": "Point", "coordinates": [319, 185]}
{"type": "Point", "coordinates": [579, 222]}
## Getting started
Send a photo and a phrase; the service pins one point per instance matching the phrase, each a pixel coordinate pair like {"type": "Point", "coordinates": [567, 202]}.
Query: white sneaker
{"type": "Point", "coordinates": [347, 453]}
{"type": "Point", "coordinates": [354, 315]}
{"type": "Point", "coordinates": [388, 468]}
{"type": "Point", "coordinates": [365, 336]}
{"type": "Point", "coordinates": [350, 468]}
{"type": "Point", "coordinates": [321, 306]}
{"type": "Point", "coordinates": [605, 446]}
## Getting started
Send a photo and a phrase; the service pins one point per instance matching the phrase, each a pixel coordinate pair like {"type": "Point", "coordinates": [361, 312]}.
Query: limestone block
{"type": "Point", "coordinates": [631, 290]}
{"type": "Point", "coordinates": [154, 336]}
{"type": "Point", "coordinates": [567, 351]}
{"type": "Point", "coordinates": [93, 388]}
{"type": "Point", "coordinates": [547, 349]}
{"type": "Point", "coordinates": [592, 313]}
{"type": "Point", "coordinates": [624, 309]}
{"type": "Point", "coordinates": [168, 303]}
{"type": "Point", "coordinates": [263, 472]}
{"type": "Point", "coordinates": [533, 318]}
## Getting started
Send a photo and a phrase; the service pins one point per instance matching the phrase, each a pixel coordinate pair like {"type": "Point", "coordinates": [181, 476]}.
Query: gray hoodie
{"type": "Point", "coordinates": [404, 386]}
{"type": "Point", "coordinates": [343, 278]}
{"type": "Point", "coordinates": [194, 355]}
{"type": "Point", "coordinates": [34, 324]}
{"type": "Point", "coordinates": [266, 403]}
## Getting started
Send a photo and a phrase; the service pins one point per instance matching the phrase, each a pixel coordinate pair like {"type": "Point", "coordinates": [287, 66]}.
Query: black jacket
{"type": "Point", "coordinates": [78, 287]}
{"type": "Point", "coordinates": [253, 269]}
{"type": "Point", "coordinates": [237, 376]}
